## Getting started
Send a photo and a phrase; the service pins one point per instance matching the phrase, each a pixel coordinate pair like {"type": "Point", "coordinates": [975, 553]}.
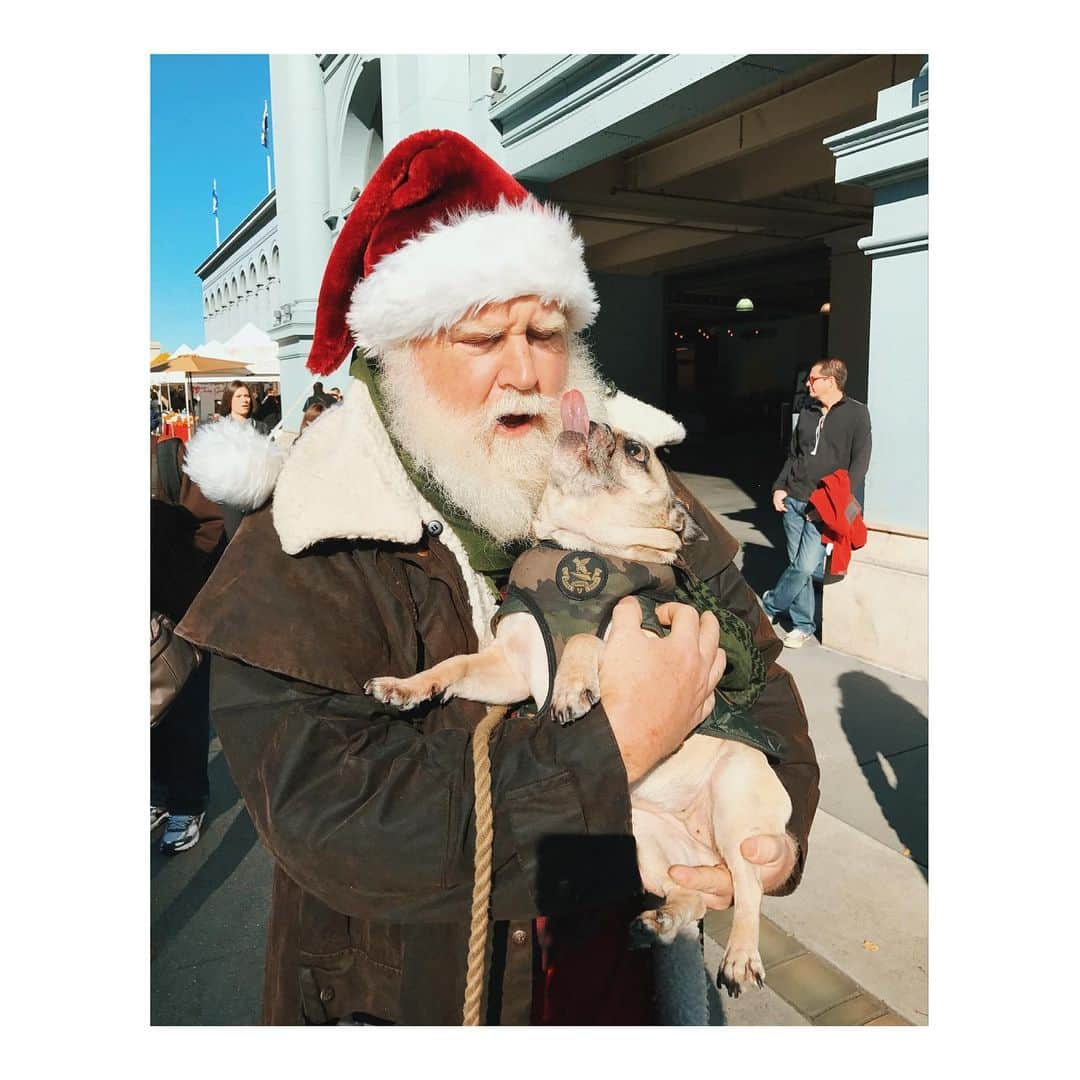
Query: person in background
{"type": "Point", "coordinates": [155, 414]}
{"type": "Point", "coordinates": [833, 432]}
{"type": "Point", "coordinates": [318, 394]}
{"type": "Point", "coordinates": [186, 541]}
{"type": "Point", "coordinates": [335, 393]}
{"type": "Point", "coordinates": [269, 410]}
{"type": "Point", "coordinates": [237, 404]}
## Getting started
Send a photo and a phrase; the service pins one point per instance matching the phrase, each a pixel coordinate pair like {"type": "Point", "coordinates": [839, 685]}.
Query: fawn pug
{"type": "Point", "coordinates": [608, 512]}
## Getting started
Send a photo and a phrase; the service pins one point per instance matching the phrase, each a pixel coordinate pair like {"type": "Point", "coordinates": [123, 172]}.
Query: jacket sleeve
{"type": "Point", "coordinates": [860, 452]}
{"type": "Point", "coordinates": [373, 814]}
{"type": "Point", "coordinates": [782, 480]}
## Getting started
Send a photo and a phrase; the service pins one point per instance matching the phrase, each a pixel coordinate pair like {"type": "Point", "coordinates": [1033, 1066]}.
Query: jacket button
{"type": "Point", "coordinates": [326, 993]}
{"type": "Point", "coordinates": [519, 937]}
{"type": "Point", "coordinates": [434, 528]}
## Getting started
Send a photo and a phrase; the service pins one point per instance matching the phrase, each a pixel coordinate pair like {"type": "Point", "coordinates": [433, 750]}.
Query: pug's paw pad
{"type": "Point", "coordinates": [740, 967]}
{"type": "Point", "coordinates": [404, 693]}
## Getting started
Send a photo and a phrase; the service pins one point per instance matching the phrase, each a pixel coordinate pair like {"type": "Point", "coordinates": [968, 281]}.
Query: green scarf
{"type": "Point", "coordinates": [485, 555]}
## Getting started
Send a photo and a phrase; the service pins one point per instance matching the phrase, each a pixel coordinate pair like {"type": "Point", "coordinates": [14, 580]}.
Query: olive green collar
{"type": "Point", "coordinates": [485, 555]}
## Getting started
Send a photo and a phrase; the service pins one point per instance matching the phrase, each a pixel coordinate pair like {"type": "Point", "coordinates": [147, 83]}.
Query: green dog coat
{"type": "Point", "coordinates": [575, 592]}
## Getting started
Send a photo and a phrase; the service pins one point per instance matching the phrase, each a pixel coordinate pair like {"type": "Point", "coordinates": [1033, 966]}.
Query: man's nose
{"type": "Point", "coordinates": [518, 367]}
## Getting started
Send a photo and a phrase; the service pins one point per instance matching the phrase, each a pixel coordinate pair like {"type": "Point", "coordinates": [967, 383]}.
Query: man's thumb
{"type": "Point", "coordinates": [762, 849]}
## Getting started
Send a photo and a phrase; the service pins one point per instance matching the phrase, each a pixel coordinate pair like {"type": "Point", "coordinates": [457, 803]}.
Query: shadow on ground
{"type": "Point", "coordinates": [899, 782]}
{"type": "Point", "coordinates": [219, 865]}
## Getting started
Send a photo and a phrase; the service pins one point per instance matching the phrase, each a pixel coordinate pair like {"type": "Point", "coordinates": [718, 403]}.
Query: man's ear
{"type": "Point", "coordinates": [680, 519]}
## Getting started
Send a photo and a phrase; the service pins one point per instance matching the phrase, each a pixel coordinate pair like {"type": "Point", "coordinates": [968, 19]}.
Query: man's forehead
{"type": "Point", "coordinates": [499, 315]}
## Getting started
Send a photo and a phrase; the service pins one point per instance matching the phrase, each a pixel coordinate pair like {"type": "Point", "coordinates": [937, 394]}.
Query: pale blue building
{"type": "Point", "coordinates": [797, 182]}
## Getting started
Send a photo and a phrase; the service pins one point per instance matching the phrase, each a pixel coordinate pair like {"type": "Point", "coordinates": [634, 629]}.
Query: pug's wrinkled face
{"type": "Point", "coordinates": [610, 488]}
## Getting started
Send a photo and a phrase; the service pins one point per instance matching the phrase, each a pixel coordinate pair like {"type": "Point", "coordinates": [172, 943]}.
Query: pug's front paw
{"type": "Point", "coordinates": [570, 702]}
{"type": "Point", "coordinates": [404, 693]}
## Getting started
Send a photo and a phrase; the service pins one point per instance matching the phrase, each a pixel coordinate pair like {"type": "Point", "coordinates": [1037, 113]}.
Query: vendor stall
{"type": "Point", "coordinates": [179, 368]}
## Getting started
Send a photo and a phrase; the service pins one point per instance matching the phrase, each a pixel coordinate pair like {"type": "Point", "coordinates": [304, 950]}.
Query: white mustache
{"type": "Point", "coordinates": [515, 403]}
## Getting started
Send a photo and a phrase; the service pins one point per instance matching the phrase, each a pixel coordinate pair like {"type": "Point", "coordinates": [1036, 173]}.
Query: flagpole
{"type": "Point", "coordinates": [264, 138]}
{"type": "Point", "coordinates": [213, 207]}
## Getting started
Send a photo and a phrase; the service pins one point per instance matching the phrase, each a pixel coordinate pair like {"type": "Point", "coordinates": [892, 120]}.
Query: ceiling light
{"type": "Point", "coordinates": [825, 308]}
{"type": "Point", "coordinates": [745, 304]}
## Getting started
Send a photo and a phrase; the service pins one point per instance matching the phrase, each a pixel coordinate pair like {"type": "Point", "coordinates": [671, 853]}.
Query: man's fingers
{"type": "Point", "coordinates": [765, 848]}
{"type": "Point", "coordinates": [707, 707]}
{"type": "Point", "coordinates": [719, 666]}
{"type": "Point", "coordinates": [682, 619]}
{"type": "Point", "coordinates": [708, 636]}
{"type": "Point", "coordinates": [776, 855]}
{"type": "Point", "coordinates": [714, 879]}
{"type": "Point", "coordinates": [626, 616]}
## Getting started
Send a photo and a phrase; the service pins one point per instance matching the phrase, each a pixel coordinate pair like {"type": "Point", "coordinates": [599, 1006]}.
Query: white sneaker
{"type": "Point", "coordinates": [181, 833]}
{"type": "Point", "coordinates": [797, 639]}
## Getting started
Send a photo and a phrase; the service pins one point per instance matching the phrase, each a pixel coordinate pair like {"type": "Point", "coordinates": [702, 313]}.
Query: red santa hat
{"type": "Point", "coordinates": [441, 230]}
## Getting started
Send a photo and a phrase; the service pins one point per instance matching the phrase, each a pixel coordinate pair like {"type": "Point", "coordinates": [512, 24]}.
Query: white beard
{"type": "Point", "coordinates": [495, 482]}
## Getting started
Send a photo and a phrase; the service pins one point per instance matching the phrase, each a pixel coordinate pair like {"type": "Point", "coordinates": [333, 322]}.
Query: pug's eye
{"type": "Point", "coordinates": [635, 451]}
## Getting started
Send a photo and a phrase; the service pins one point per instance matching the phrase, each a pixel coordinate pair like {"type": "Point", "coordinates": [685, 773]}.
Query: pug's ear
{"type": "Point", "coordinates": [680, 521]}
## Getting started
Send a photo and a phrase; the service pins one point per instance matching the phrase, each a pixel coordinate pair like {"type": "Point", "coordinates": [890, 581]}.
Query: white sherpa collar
{"type": "Point", "coordinates": [343, 480]}
{"type": "Point", "coordinates": [437, 277]}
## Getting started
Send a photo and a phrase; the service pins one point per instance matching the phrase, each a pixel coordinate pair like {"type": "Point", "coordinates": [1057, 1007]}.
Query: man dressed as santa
{"type": "Point", "coordinates": [460, 300]}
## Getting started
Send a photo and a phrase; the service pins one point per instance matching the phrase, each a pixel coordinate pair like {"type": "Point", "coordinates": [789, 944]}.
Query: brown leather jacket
{"type": "Point", "coordinates": [369, 813]}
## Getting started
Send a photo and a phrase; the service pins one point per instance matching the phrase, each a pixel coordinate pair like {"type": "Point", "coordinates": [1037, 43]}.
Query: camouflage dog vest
{"type": "Point", "coordinates": [575, 592]}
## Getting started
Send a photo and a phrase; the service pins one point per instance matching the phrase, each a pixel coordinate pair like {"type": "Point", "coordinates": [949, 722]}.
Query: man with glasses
{"type": "Point", "coordinates": [832, 433]}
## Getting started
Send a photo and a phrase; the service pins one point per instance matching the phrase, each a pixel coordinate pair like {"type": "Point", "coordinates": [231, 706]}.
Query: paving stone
{"type": "Point", "coordinates": [811, 985]}
{"type": "Point", "coordinates": [756, 1008]}
{"type": "Point", "coordinates": [890, 1019]}
{"type": "Point", "coordinates": [718, 924]}
{"type": "Point", "coordinates": [854, 1013]}
{"type": "Point", "coordinates": [778, 946]}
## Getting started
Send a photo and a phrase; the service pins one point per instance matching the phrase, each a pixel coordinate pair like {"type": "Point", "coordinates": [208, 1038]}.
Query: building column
{"type": "Point", "coordinates": [301, 168]}
{"type": "Point", "coordinates": [849, 304]}
{"type": "Point", "coordinates": [880, 611]}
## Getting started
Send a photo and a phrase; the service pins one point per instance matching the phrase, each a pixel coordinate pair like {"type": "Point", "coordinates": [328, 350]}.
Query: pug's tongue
{"type": "Point", "coordinates": [575, 413]}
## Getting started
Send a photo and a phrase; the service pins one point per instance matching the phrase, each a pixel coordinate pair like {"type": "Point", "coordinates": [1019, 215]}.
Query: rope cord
{"type": "Point", "coordinates": [478, 931]}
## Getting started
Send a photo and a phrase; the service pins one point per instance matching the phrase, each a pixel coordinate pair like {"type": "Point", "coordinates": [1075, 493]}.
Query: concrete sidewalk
{"type": "Point", "coordinates": [849, 947]}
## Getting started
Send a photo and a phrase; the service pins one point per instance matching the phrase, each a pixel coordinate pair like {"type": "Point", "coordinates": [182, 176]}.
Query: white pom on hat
{"type": "Point", "coordinates": [234, 464]}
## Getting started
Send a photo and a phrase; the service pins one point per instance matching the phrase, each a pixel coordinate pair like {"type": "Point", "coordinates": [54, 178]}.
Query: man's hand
{"type": "Point", "coordinates": [778, 497]}
{"type": "Point", "coordinates": [657, 690]}
{"type": "Point", "coordinates": [774, 854]}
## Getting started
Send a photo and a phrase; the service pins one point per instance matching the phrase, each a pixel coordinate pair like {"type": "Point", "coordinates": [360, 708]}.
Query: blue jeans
{"type": "Point", "coordinates": [794, 592]}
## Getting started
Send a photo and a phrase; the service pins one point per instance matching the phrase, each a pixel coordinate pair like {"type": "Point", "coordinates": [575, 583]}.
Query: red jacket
{"type": "Point", "coordinates": [841, 518]}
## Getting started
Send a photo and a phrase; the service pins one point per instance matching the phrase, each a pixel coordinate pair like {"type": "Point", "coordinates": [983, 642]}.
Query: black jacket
{"type": "Point", "coordinates": [843, 443]}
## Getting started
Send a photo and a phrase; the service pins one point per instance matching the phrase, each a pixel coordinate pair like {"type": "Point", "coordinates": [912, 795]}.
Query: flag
{"type": "Point", "coordinates": [266, 125]}
{"type": "Point", "coordinates": [213, 198]}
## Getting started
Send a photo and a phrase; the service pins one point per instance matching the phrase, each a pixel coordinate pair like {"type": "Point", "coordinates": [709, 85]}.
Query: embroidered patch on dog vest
{"type": "Point", "coordinates": [581, 575]}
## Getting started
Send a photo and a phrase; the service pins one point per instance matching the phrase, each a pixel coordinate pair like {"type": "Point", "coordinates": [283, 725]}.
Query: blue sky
{"type": "Point", "coordinates": [205, 113]}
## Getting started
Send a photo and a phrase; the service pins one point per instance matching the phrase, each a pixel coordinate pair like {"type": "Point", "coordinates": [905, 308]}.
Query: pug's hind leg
{"type": "Point", "coordinates": [741, 964]}
{"type": "Point", "coordinates": [577, 681]}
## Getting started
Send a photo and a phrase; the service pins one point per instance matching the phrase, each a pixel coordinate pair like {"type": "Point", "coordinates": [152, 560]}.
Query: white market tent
{"type": "Point", "coordinates": [254, 348]}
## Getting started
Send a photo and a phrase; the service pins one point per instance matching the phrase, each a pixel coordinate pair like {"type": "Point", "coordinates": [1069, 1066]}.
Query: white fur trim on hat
{"type": "Point", "coordinates": [233, 464]}
{"type": "Point", "coordinates": [475, 258]}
